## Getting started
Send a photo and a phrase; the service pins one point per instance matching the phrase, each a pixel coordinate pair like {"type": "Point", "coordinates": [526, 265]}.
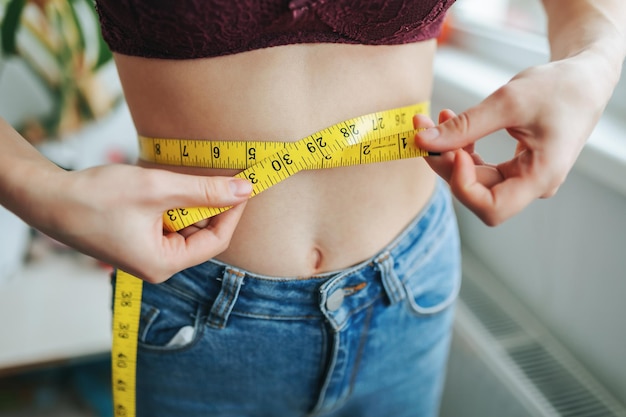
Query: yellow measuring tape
{"type": "Point", "coordinates": [376, 137]}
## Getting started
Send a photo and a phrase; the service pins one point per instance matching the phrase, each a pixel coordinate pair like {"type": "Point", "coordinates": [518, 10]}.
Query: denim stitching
{"type": "Point", "coordinates": [148, 319]}
{"type": "Point", "coordinates": [179, 292]}
{"type": "Point", "coordinates": [219, 312]}
{"type": "Point", "coordinates": [359, 352]}
{"type": "Point", "coordinates": [197, 336]}
{"type": "Point", "coordinates": [442, 305]}
{"type": "Point", "coordinates": [329, 368]}
{"type": "Point", "coordinates": [424, 256]}
{"type": "Point", "coordinates": [269, 317]}
{"type": "Point", "coordinates": [433, 236]}
{"type": "Point", "coordinates": [390, 281]}
{"type": "Point", "coordinates": [342, 324]}
{"type": "Point", "coordinates": [215, 318]}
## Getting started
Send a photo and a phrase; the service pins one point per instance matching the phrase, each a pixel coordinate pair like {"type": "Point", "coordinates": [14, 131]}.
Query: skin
{"type": "Point", "coordinates": [549, 109]}
{"type": "Point", "coordinates": [275, 94]}
{"type": "Point", "coordinates": [115, 212]}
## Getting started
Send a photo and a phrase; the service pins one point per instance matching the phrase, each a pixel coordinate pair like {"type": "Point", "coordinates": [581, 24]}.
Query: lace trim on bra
{"type": "Point", "coordinates": [184, 29]}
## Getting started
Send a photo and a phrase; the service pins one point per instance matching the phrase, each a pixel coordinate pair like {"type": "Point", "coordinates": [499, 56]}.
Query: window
{"type": "Point", "coordinates": [522, 15]}
{"type": "Point", "coordinates": [511, 33]}
{"type": "Point", "coordinates": [491, 40]}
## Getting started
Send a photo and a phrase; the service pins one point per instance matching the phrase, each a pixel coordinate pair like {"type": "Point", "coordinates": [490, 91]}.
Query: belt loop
{"type": "Point", "coordinates": [392, 284]}
{"type": "Point", "coordinates": [223, 305]}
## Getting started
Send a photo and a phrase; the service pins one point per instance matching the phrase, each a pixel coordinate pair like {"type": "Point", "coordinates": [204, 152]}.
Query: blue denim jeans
{"type": "Point", "coordinates": [370, 340]}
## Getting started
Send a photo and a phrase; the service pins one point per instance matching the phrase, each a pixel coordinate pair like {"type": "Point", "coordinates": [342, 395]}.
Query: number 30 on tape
{"type": "Point", "coordinates": [377, 137]}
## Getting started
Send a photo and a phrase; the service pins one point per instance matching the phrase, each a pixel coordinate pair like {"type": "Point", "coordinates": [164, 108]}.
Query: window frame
{"type": "Point", "coordinates": [477, 59]}
{"type": "Point", "coordinates": [515, 49]}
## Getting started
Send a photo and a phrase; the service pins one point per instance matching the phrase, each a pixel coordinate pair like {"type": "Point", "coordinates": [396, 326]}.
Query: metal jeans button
{"type": "Point", "coordinates": [333, 302]}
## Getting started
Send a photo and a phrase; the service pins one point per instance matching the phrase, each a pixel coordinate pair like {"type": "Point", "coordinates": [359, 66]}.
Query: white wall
{"type": "Point", "coordinates": [564, 257]}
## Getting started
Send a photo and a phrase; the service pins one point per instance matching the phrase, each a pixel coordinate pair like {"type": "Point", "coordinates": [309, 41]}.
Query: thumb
{"type": "Point", "coordinates": [465, 128]}
{"type": "Point", "coordinates": [198, 191]}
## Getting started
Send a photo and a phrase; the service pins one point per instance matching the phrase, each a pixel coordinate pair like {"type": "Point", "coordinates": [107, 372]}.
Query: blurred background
{"type": "Point", "coordinates": [540, 325]}
{"type": "Point", "coordinates": [59, 89]}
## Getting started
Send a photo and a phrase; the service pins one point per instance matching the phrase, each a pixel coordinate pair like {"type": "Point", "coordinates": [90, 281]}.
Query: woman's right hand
{"type": "Point", "coordinates": [115, 214]}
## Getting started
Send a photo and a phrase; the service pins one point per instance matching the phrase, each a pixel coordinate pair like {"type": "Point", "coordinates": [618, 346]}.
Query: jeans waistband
{"type": "Point", "coordinates": [232, 290]}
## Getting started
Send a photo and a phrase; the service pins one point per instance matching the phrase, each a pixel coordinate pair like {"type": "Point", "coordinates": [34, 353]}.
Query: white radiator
{"type": "Point", "coordinates": [505, 363]}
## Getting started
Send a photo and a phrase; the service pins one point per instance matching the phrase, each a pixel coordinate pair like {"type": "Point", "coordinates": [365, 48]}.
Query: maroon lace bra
{"type": "Point", "coordinates": [182, 29]}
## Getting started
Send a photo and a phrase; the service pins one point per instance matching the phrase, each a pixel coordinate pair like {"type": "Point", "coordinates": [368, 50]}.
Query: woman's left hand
{"type": "Point", "coordinates": [550, 110]}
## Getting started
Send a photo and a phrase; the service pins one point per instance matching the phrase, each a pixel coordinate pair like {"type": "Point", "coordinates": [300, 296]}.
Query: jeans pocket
{"type": "Point", "coordinates": [168, 322]}
{"type": "Point", "coordinates": [433, 283]}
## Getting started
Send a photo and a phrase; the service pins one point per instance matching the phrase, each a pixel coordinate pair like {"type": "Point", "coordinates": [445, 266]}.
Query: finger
{"type": "Point", "coordinates": [464, 129]}
{"type": "Point", "coordinates": [546, 173]}
{"type": "Point", "coordinates": [421, 121]}
{"type": "Point", "coordinates": [190, 230]}
{"type": "Point", "coordinates": [442, 164]}
{"type": "Point", "coordinates": [488, 175]}
{"type": "Point", "coordinates": [205, 243]}
{"type": "Point", "coordinates": [475, 157]}
{"type": "Point", "coordinates": [198, 191]}
{"type": "Point", "coordinates": [445, 115]}
{"type": "Point", "coordinates": [492, 204]}
{"type": "Point", "coordinates": [193, 228]}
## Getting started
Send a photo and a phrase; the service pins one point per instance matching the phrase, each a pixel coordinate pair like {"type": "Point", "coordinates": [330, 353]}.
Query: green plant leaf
{"type": "Point", "coordinates": [79, 27]}
{"type": "Point", "coordinates": [10, 25]}
{"type": "Point", "coordinates": [104, 53]}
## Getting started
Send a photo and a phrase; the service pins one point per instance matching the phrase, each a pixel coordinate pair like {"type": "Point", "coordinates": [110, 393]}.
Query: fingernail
{"type": "Point", "coordinates": [240, 188]}
{"type": "Point", "coordinates": [429, 134]}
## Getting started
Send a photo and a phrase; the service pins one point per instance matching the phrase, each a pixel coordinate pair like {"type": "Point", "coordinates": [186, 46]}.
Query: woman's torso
{"type": "Point", "coordinates": [315, 221]}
